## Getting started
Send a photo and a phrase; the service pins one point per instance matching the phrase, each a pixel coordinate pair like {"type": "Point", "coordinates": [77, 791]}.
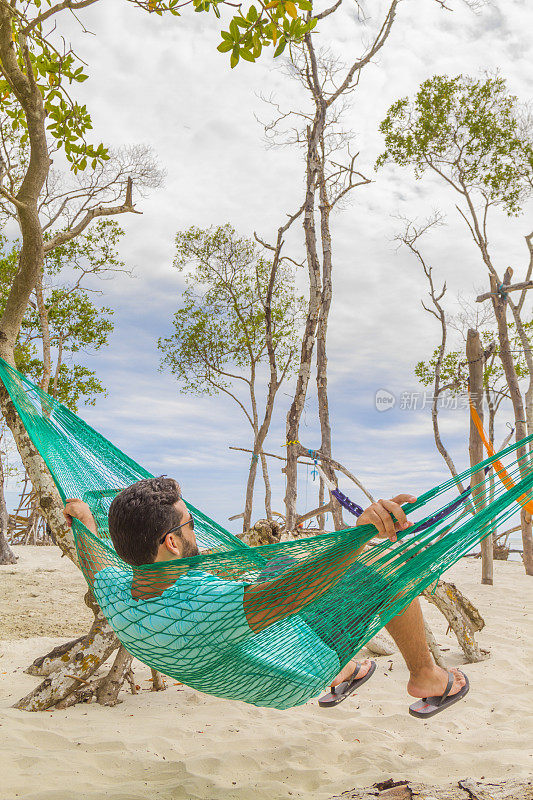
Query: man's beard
{"type": "Point", "coordinates": [189, 550]}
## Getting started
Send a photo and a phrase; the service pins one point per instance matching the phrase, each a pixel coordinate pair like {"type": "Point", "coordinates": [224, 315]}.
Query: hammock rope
{"type": "Point", "coordinates": [355, 509]}
{"type": "Point", "coordinates": [317, 600]}
{"type": "Point", "coordinates": [498, 466]}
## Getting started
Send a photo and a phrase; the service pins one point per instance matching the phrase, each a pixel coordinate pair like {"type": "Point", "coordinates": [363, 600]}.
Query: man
{"type": "Point", "coordinates": [220, 634]}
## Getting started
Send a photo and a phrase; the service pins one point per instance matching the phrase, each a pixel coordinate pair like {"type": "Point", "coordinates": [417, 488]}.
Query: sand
{"type": "Point", "coordinates": [183, 745]}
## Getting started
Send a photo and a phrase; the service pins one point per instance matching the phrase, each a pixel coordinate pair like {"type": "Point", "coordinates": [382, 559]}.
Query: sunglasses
{"type": "Point", "coordinates": [190, 522]}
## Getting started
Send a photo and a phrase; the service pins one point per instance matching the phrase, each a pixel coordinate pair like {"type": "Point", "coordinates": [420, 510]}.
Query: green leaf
{"type": "Point", "coordinates": [281, 47]}
{"type": "Point", "coordinates": [234, 60]}
{"type": "Point", "coordinates": [246, 55]}
{"type": "Point", "coordinates": [225, 47]}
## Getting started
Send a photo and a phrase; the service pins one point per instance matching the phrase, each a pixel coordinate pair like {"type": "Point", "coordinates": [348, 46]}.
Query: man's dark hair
{"type": "Point", "coordinates": [139, 517]}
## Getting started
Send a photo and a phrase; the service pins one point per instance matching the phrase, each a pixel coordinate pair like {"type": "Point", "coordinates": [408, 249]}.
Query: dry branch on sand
{"type": "Point", "coordinates": [462, 790]}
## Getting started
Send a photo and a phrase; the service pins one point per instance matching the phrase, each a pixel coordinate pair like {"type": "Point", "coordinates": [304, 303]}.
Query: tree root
{"type": "Point", "coordinates": [67, 668]}
{"type": "Point", "coordinates": [110, 685]}
{"type": "Point", "coordinates": [55, 659]}
{"type": "Point", "coordinates": [158, 681]}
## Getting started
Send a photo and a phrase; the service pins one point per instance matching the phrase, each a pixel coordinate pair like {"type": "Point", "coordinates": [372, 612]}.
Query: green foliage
{"type": "Point", "coordinates": [92, 252]}
{"type": "Point", "coordinates": [220, 328]}
{"type": "Point", "coordinates": [69, 123]}
{"type": "Point", "coordinates": [76, 324]}
{"type": "Point", "coordinates": [74, 383]}
{"type": "Point", "coordinates": [472, 132]}
{"type": "Point", "coordinates": [454, 368]}
{"type": "Point", "coordinates": [450, 371]}
{"type": "Point", "coordinates": [261, 25]}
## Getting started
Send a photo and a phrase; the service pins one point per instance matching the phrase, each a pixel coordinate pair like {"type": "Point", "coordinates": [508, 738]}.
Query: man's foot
{"type": "Point", "coordinates": [349, 679]}
{"type": "Point", "coordinates": [350, 671]}
{"type": "Point", "coordinates": [433, 682]}
{"type": "Point", "coordinates": [456, 688]}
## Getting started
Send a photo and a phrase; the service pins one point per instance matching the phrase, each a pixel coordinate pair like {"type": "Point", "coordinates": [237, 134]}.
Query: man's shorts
{"type": "Point", "coordinates": [342, 615]}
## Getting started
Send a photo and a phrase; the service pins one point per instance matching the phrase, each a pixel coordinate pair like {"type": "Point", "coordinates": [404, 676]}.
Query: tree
{"type": "Point", "coordinates": [220, 339]}
{"type": "Point", "coordinates": [478, 139]}
{"type": "Point", "coordinates": [331, 174]}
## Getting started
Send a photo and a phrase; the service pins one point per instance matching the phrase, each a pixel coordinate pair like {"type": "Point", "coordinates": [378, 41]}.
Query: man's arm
{"type": "Point", "coordinates": [261, 601]}
{"type": "Point", "coordinates": [89, 557]}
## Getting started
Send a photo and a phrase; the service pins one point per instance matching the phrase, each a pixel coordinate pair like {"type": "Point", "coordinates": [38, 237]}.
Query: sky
{"type": "Point", "coordinates": [161, 82]}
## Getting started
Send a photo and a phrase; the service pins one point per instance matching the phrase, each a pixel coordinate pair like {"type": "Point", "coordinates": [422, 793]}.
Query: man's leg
{"type": "Point", "coordinates": [426, 678]}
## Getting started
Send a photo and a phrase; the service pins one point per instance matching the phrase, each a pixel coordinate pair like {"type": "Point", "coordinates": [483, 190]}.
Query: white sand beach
{"type": "Point", "coordinates": [182, 745]}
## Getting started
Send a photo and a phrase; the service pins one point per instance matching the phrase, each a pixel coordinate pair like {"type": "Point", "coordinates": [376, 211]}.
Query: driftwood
{"type": "Point", "coordinates": [461, 790]}
{"type": "Point", "coordinates": [463, 618]}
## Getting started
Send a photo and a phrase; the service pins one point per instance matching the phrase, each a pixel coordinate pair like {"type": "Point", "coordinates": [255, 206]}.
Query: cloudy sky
{"type": "Point", "coordinates": [161, 82]}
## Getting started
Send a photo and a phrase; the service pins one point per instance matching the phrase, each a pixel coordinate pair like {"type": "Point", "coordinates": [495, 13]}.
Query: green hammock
{"type": "Point", "coordinates": [340, 603]}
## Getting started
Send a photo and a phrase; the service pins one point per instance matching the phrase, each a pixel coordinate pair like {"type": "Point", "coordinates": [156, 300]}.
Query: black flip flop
{"type": "Point", "coordinates": [344, 689]}
{"type": "Point", "coordinates": [429, 706]}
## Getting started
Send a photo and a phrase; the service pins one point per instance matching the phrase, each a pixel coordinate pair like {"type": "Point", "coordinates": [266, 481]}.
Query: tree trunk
{"type": "Point", "coordinates": [249, 496]}
{"type": "Point", "coordinates": [45, 334]}
{"type": "Point", "coordinates": [528, 355]}
{"type": "Point", "coordinates": [314, 133]}
{"type": "Point", "coordinates": [499, 302]}
{"type": "Point", "coordinates": [109, 687]}
{"type": "Point", "coordinates": [158, 681]}
{"type": "Point", "coordinates": [7, 556]}
{"type": "Point", "coordinates": [492, 476]}
{"type": "Point", "coordinates": [268, 490]}
{"type": "Point", "coordinates": [321, 518]}
{"type": "Point", "coordinates": [81, 660]}
{"type": "Point", "coordinates": [321, 335]}
{"type": "Point", "coordinates": [474, 356]}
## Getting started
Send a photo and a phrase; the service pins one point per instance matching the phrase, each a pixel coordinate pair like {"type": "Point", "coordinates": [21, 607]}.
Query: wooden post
{"type": "Point", "coordinates": [474, 356]}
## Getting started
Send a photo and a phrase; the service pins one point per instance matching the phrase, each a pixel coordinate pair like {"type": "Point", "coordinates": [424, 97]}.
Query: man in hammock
{"type": "Point", "coordinates": [149, 522]}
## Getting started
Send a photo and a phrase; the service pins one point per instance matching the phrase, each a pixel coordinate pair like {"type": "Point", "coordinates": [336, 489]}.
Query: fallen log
{"type": "Point", "coordinates": [466, 789]}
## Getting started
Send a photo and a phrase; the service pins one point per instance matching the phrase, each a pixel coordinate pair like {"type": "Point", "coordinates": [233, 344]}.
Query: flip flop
{"type": "Point", "coordinates": [341, 692]}
{"type": "Point", "coordinates": [429, 706]}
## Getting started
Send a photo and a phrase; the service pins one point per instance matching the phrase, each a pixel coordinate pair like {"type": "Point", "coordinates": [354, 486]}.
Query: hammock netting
{"type": "Point", "coordinates": [318, 600]}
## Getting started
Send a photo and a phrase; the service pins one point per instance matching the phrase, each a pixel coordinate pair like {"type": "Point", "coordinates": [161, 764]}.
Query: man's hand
{"type": "Point", "coordinates": [77, 509]}
{"type": "Point", "coordinates": [380, 516]}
